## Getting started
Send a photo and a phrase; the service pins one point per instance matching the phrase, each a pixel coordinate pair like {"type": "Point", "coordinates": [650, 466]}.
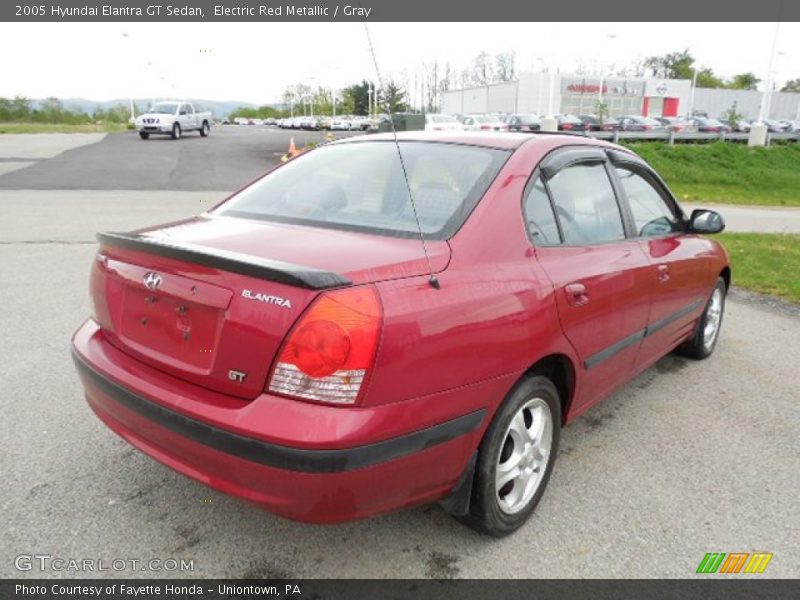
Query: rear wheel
{"type": "Point", "coordinates": [515, 458]}
{"type": "Point", "coordinates": [176, 131]}
{"type": "Point", "coordinates": [706, 333]}
{"type": "Point", "coordinates": [144, 135]}
{"type": "Point", "coordinates": [205, 129]}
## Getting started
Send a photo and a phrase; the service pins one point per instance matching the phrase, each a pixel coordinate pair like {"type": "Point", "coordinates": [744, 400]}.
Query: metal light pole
{"type": "Point", "coordinates": [541, 85]}
{"type": "Point", "coordinates": [611, 36]}
{"type": "Point", "coordinates": [550, 123]}
{"type": "Point", "coordinates": [126, 36]}
{"type": "Point", "coordinates": [691, 93]}
{"type": "Point", "coordinates": [758, 131]}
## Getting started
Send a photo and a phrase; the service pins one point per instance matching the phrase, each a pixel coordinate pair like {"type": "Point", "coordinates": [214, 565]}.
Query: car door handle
{"type": "Point", "coordinates": [576, 294]}
{"type": "Point", "coordinates": [663, 273]}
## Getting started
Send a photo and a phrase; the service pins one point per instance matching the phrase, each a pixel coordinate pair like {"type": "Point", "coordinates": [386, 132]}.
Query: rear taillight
{"type": "Point", "coordinates": [647, 128]}
{"type": "Point", "coordinates": [566, 126]}
{"type": "Point", "coordinates": [485, 127]}
{"type": "Point", "coordinates": [330, 350]}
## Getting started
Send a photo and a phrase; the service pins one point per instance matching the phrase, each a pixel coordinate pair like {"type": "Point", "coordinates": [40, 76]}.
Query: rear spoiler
{"type": "Point", "coordinates": [235, 262]}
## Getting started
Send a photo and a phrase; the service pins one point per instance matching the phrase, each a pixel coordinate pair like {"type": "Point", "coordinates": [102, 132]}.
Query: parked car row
{"type": "Point", "coordinates": [581, 123]}
{"type": "Point", "coordinates": [528, 122]}
{"type": "Point", "coordinates": [338, 123]}
{"type": "Point", "coordinates": [704, 124]}
{"type": "Point", "coordinates": [516, 122]}
{"type": "Point", "coordinates": [476, 122]}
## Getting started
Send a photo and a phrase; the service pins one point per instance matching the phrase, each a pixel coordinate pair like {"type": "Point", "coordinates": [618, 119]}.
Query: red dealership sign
{"type": "Point", "coordinates": [585, 88]}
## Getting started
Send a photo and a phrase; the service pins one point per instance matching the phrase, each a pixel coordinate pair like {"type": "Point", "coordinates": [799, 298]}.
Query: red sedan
{"type": "Point", "coordinates": [300, 346]}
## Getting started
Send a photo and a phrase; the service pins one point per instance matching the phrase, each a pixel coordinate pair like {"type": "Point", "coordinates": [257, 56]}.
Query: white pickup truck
{"type": "Point", "coordinates": [173, 118]}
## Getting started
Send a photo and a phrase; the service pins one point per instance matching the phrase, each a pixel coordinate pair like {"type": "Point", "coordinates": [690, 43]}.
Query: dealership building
{"type": "Point", "coordinates": [579, 95]}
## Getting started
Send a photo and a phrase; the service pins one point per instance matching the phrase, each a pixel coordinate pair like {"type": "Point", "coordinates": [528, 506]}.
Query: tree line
{"type": "Point", "coordinates": [52, 110]}
{"type": "Point", "coordinates": [682, 65]}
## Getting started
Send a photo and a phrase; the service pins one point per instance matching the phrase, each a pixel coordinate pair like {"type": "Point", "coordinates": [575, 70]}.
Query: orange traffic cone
{"type": "Point", "coordinates": [292, 152]}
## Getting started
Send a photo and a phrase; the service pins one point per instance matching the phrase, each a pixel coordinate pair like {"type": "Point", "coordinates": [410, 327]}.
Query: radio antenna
{"type": "Point", "coordinates": [432, 280]}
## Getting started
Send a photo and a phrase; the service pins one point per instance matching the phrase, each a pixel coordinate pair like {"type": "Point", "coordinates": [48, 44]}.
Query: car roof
{"type": "Point", "coordinates": [488, 139]}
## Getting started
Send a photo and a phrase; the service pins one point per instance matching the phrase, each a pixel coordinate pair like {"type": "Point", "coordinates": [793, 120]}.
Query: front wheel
{"type": "Point", "coordinates": [144, 135]}
{"type": "Point", "coordinates": [515, 458]}
{"type": "Point", "coordinates": [176, 131]}
{"type": "Point", "coordinates": [706, 333]}
{"type": "Point", "coordinates": [205, 129]}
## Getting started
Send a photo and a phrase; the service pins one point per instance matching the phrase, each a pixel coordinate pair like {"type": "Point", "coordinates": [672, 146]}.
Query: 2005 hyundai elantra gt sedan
{"type": "Point", "coordinates": [354, 333]}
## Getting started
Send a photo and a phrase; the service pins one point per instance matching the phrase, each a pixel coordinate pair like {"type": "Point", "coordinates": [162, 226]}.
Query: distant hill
{"type": "Point", "coordinates": [219, 108]}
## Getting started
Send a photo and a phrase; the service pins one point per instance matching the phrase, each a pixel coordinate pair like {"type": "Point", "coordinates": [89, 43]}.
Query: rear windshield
{"type": "Point", "coordinates": [360, 186]}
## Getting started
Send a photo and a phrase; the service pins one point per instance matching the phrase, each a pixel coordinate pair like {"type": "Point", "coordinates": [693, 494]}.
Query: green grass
{"type": "Point", "coordinates": [765, 262]}
{"type": "Point", "coordinates": [727, 172]}
{"type": "Point", "coordinates": [60, 127]}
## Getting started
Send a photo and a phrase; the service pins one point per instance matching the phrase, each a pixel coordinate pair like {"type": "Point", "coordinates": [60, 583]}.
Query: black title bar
{"type": "Point", "coordinates": [710, 588]}
{"type": "Point", "coordinates": [399, 10]}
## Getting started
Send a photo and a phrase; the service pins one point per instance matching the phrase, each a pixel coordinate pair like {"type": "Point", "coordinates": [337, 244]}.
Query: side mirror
{"type": "Point", "coordinates": [705, 221]}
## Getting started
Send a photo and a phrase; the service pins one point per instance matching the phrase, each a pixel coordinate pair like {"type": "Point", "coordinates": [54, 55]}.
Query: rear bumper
{"type": "Point", "coordinates": [229, 445]}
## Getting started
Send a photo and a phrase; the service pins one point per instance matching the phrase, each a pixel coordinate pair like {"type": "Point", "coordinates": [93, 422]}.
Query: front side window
{"type": "Point", "coordinates": [651, 213]}
{"type": "Point", "coordinates": [585, 205]}
{"type": "Point", "coordinates": [539, 217]}
{"type": "Point", "coordinates": [361, 186]}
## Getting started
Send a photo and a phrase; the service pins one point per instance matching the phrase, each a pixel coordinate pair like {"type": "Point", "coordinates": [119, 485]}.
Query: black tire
{"type": "Point", "coordinates": [205, 129]}
{"type": "Point", "coordinates": [176, 131]}
{"type": "Point", "coordinates": [486, 514]}
{"type": "Point", "coordinates": [701, 346]}
{"type": "Point", "coordinates": [144, 135]}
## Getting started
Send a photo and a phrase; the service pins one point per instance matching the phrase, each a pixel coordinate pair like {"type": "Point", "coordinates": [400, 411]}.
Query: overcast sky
{"type": "Point", "coordinates": [254, 62]}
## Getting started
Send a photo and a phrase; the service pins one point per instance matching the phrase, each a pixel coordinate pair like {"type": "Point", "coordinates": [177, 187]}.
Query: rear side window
{"type": "Point", "coordinates": [585, 205]}
{"type": "Point", "coordinates": [652, 215]}
{"type": "Point", "coordinates": [362, 186]}
{"type": "Point", "coordinates": [539, 217]}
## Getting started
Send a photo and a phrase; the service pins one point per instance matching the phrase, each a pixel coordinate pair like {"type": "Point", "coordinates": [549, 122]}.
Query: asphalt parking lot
{"type": "Point", "coordinates": [691, 457]}
{"type": "Point", "coordinates": [228, 159]}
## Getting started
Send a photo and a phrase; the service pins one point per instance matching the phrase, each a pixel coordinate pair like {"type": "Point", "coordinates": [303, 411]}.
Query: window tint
{"type": "Point", "coordinates": [362, 186]}
{"type": "Point", "coordinates": [539, 217]}
{"type": "Point", "coordinates": [586, 206]}
{"type": "Point", "coordinates": [651, 214]}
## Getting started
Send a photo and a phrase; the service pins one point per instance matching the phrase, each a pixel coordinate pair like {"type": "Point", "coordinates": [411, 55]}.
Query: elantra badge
{"type": "Point", "coordinates": [152, 280]}
{"type": "Point", "coordinates": [276, 300]}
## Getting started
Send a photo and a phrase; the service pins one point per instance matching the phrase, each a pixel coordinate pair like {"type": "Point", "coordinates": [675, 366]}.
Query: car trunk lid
{"type": "Point", "coordinates": [210, 300]}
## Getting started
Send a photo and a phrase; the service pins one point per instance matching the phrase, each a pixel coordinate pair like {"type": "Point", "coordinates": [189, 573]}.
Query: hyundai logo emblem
{"type": "Point", "coordinates": [152, 280]}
